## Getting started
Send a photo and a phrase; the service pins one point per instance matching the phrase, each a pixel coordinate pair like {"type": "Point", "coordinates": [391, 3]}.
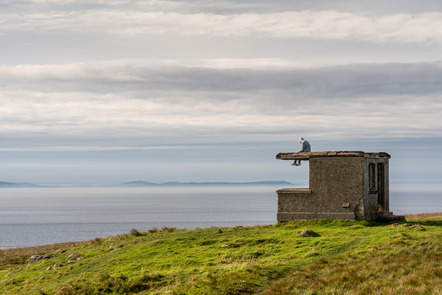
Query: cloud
{"type": "Point", "coordinates": [352, 81]}
{"type": "Point", "coordinates": [64, 72]}
{"type": "Point", "coordinates": [162, 18]}
{"type": "Point", "coordinates": [77, 105]}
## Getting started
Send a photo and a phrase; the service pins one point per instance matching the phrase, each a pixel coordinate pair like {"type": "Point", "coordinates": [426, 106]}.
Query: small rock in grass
{"type": "Point", "coordinates": [35, 258]}
{"type": "Point", "coordinates": [72, 255]}
{"type": "Point", "coordinates": [306, 232]}
{"type": "Point", "coordinates": [39, 257]}
{"type": "Point", "coordinates": [75, 259]}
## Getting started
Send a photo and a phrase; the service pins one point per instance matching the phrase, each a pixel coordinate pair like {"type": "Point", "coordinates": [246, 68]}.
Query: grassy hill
{"type": "Point", "coordinates": [338, 257]}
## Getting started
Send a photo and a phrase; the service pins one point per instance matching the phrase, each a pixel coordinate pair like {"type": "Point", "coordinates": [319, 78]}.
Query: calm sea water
{"type": "Point", "coordinates": [39, 216]}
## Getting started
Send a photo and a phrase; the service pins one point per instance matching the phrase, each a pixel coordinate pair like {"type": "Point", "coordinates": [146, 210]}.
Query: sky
{"type": "Point", "coordinates": [101, 92]}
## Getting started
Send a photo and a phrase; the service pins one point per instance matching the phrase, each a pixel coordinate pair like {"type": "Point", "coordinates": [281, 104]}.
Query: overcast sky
{"type": "Point", "coordinates": [102, 92]}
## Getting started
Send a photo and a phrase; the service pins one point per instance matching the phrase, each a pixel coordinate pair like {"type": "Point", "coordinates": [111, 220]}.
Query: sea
{"type": "Point", "coordinates": [41, 216]}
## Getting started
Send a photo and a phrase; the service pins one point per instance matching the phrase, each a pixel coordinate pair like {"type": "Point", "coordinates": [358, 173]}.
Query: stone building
{"type": "Point", "coordinates": [342, 185]}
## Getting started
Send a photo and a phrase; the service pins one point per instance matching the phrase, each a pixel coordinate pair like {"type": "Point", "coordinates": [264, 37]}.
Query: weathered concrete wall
{"type": "Point", "coordinates": [335, 191]}
{"type": "Point", "coordinates": [302, 204]}
{"type": "Point", "coordinates": [338, 182]}
{"type": "Point", "coordinates": [340, 187]}
{"type": "Point", "coordinates": [295, 200]}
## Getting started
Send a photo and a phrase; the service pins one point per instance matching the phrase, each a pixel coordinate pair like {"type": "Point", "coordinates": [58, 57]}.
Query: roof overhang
{"type": "Point", "coordinates": [308, 156]}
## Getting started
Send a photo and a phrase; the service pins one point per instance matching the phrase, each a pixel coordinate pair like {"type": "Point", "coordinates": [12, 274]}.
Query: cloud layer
{"type": "Point", "coordinates": [142, 106]}
{"type": "Point", "coordinates": [403, 27]}
{"type": "Point", "coordinates": [211, 84]}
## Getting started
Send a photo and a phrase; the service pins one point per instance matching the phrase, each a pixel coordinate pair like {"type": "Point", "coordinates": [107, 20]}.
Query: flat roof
{"type": "Point", "coordinates": [307, 156]}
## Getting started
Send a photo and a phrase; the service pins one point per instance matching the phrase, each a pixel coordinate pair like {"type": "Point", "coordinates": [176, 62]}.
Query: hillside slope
{"type": "Point", "coordinates": [338, 257]}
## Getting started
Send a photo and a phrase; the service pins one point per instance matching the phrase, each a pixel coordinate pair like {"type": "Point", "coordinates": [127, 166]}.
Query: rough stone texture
{"type": "Point", "coordinates": [335, 182]}
{"type": "Point", "coordinates": [339, 187]}
{"type": "Point", "coordinates": [294, 200]}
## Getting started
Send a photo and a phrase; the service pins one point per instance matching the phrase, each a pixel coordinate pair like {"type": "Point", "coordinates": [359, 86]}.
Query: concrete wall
{"type": "Point", "coordinates": [339, 187]}
{"type": "Point", "coordinates": [336, 181]}
{"type": "Point", "coordinates": [336, 190]}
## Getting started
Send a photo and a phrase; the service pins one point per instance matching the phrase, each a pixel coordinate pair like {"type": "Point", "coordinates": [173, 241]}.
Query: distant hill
{"type": "Point", "coordinates": [20, 184]}
{"type": "Point", "coordinates": [138, 183]}
{"type": "Point", "coordinates": [142, 183]}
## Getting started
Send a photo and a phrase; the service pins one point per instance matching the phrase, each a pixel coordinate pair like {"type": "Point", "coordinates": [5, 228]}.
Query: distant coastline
{"type": "Point", "coordinates": [19, 184]}
{"type": "Point", "coordinates": [142, 183]}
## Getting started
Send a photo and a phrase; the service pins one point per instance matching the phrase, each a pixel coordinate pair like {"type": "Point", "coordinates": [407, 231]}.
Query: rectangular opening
{"type": "Point", "coordinates": [381, 187]}
{"type": "Point", "coordinates": [372, 177]}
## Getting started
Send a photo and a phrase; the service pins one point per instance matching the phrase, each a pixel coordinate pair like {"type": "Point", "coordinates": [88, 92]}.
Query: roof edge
{"type": "Point", "coordinates": [307, 156]}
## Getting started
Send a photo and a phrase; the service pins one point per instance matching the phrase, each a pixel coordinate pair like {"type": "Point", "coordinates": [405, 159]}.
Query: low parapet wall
{"type": "Point", "coordinates": [302, 204]}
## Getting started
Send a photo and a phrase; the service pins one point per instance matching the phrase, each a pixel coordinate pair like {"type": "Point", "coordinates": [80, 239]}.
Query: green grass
{"type": "Point", "coordinates": [342, 257]}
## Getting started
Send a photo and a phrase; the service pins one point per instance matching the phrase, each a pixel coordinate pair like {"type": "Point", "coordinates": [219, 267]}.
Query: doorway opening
{"type": "Point", "coordinates": [381, 187]}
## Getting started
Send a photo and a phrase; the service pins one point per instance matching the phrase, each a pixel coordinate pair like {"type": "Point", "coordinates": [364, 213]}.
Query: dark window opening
{"type": "Point", "coordinates": [372, 177]}
{"type": "Point", "coordinates": [381, 187]}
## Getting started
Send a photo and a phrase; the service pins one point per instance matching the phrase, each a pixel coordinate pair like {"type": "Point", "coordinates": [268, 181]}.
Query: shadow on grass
{"type": "Point", "coordinates": [347, 223]}
{"type": "Point", "coordinates": [426, 222]}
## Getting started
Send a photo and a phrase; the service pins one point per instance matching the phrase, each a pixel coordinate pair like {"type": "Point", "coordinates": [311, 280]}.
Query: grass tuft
{"type": "Point", "coordinates": [135, 233]}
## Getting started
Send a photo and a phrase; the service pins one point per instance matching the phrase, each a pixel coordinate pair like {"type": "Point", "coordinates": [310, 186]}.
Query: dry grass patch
{"type": "Point", "coordinates": [21, 255]}
{"type": "Point", "coordinates": [406, 265]}
{"type": "Point", "coordinates": [423, 215]}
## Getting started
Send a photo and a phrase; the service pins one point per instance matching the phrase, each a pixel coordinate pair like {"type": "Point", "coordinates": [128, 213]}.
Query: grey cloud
{"type": "Point", "coordinates": [229, 6]}
{"type": "Point", "coordinates": [363, 80]}
{"type": "Point", "coordinates": [312, 24]}
{"type": "Point", "coordinates": [142, 106]}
